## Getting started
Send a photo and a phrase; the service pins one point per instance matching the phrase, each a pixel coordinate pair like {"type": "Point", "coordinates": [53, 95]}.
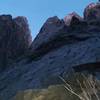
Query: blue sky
{"type": "Point", "coordinates": [37, 11]}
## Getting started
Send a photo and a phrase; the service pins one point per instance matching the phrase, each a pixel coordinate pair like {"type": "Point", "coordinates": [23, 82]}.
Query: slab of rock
{"type": "Point", "coordinates": [51, 29]}
{"type": "Point", "coordinates": [56, 32]}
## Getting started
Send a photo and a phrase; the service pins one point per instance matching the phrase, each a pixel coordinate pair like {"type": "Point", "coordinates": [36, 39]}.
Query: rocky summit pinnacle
{"type": "Point", "coordinates": [62, 45]}
{"type": "Point", "coordinates": [15, 39]}
{"type": "Point", "coordinates": [68, 19]}
{"type": "Point", "coordinates": [92, 12]}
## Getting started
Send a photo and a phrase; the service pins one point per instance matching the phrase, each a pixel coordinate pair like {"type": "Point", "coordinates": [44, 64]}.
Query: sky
{"type": "Point", "coordinates": [37, 11]}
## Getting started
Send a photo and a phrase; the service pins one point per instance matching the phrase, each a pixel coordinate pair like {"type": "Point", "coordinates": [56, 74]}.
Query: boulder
{"type": "Point", "coordinates": [72, 17]}
{"type": "Point", "coordinates": [92, 12]}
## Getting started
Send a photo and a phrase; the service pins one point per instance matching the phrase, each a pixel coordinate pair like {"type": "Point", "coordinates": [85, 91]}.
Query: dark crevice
{"type": "Point", "coordinates": [89, 67]}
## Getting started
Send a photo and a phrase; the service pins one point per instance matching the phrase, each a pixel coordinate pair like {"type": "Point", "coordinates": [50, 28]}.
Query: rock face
{"type": "Point", "coordinates": [56, 32]}
{"type": "Point", "coordinates": [92, 12]}
{"type": "Point", "coordinates": [50, 30]}
{"type": "Point", "coordinates": [61, 46]}
{"type": "Point", "coordinates": [15, 38]}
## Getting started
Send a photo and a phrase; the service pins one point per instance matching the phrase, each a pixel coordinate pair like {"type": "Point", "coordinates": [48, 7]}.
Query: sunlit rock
{"type": "Point", "coordinates": [92, 12]}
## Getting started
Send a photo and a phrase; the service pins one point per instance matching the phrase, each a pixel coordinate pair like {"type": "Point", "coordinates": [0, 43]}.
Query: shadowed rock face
{"type": "Point", "coordinates": [51, 29]}
{"type": "Point", "coordinates": [58, 32]}
{"type": "Point", "coordinates": [90, 67]}
{"type": "Point", "coordinates": [15, 38]}
{"type": "Point", "coordinates": [58, 47]}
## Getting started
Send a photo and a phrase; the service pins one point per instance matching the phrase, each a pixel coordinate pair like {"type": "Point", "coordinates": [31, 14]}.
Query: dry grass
{"type": "Point", "coordinates": [89, 86]}
{"type": "Point", "coordinates": [75, 87]}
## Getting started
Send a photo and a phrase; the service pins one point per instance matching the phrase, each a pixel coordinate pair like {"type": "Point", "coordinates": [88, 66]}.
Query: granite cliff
{"type": "Point", "coordinates": [61, 46]}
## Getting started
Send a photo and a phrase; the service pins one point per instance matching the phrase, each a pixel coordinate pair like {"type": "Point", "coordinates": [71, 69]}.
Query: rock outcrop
{"type": "Point", "coordinates": [69, 18]}
{"type": "Point", "coordinates": [92, 12]}
{"type": "Point", "coordinates": [56, 32]}
{"type": "Point", "coordinates": [15, 39]}
{"type": "Point", "coordinates": [49, 31]}
{"type": "Point", "coordinates": [61, 46]}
